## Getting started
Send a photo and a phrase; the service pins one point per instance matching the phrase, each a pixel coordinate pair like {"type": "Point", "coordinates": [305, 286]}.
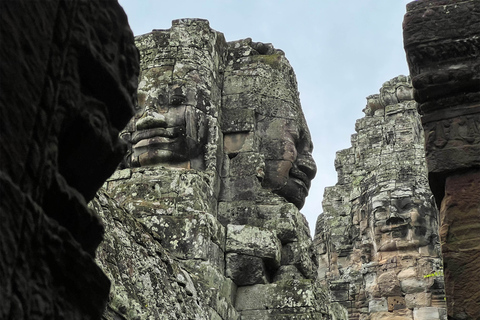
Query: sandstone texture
{"type": "Point", "coordinates": [442, 46]}
{"type": "Point", "coordinates": [147, 283]}
{"type": "Point", "coordinates": [377, 240]}
{"type": "Point", "coordinates": [202, 216]}
{"type": "Point", "coordinates": [68, 79]}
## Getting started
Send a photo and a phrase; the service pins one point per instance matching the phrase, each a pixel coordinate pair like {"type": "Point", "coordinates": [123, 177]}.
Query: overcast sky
{"type": "Point", "coordinates": [341, 50]}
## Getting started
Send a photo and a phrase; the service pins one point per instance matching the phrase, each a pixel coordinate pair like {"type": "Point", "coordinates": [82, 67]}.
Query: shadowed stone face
{"type": "Point", "coordinates": [289, 165]}
{"type": "Point", "coordinates": [167, 129]}
{"type": "Point", "coordinates": [261, 88]}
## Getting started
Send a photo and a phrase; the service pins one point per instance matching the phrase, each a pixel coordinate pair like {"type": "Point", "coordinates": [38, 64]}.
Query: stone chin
{"type": "Point", "coordinates": [294, 188]}
{"type": "Point", "coordinates": [294, 191]}
{"type": "Point", "coordinates": [157, 153]}
{"type": "Point", "coordinates": [402, 245]}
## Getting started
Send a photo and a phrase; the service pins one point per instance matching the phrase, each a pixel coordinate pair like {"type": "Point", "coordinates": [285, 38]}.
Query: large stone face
{"type": "Point", "coordinates": [378, 235]}
{"type": "Point", "coordinates": [441, 43]}
{"type": "Point", "coordinates": [268, 160]}
{"type": "Point", "coordinates": [179, 96]}
{"type": "Point", "coordinates": [224, 215]}
{"type": "Point", "coordinates": [68, 84]}
{"type": "Point", "coordinates": [262, 119]}
{"type": "Point", "coordinates": [169, 190]}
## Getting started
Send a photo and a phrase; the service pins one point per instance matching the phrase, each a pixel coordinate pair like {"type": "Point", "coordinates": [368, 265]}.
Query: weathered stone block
{"type": "Point", "coordinates": [288, 294]}
{"type": "Point", "coordinates": [240, 188]}
{"type": "Point", "coordinates": [427, 313]}
{"type": "Point", "coordinates": [395, 315]}
{"type": "Point", "coordinates": [396, 303]}
{"type": "Point", "coordinates": [254, 241]}
{"type": "Point", "coordinates": [417, 300]}
{"type": "Point", "coordinates": [247, 164]}
{"type": "Point", "coordinates": [388, 284]}
{"type": "Point", "coordinates": [245, 270]}
{"type": "Point", "coordinates": [239, 142]}
{"type": "Point", "coordinates": [238, 120]}
{"type": "Point", "coordinates": [378, 305]}
{"type": "Point", "coordinates": [272, 107]}
{"type": "Point", "coordinates": [198, 236]}
{"type": "Point", "coordinates": [299, 254]}
{"type": "Point", "coordinates": [412, 285]}
{"type": "Point", "coordinates": [153, 191]}
{"type": "Point", "coordinates": [340, 291]}
{"type": "Point", "coordinates": [239, 213]}
{"type": "Point", "coordinates": [407, 273]}
{"type": "Point", "coordinates": [288, 272]}
{"type": "Point", "coordinates": [248, 100]}
{"type": "Point", "coordinates": [288, 222]}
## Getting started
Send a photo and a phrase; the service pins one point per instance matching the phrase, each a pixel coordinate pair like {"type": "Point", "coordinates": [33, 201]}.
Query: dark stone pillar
{"type": "Point", "coordinates": [68, 77]}
{"type": "Point", "coordinates": [442, 44]}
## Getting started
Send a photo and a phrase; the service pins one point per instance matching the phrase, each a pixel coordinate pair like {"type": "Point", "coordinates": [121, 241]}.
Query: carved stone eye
{"type": "Point", "coordinates": [395, 220]}
{"type": "Point", "coordinates": [177, 100]}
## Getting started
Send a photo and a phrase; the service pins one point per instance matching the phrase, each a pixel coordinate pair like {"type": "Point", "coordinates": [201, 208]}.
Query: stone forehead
{"type": "Point", "coordinates": [260, 77]}
{"type": "Point", "coordinates": [184, 33]}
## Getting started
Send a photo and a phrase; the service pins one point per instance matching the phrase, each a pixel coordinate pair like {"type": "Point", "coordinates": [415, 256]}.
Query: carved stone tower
{"type": "Point", "coordinates": [377, 239]}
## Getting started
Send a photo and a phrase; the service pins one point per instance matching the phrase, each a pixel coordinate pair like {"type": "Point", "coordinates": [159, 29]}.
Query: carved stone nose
{"type": "Point", "coordinates": [152, 120]}
{"type": "Point", "coordinates": [307, 165]}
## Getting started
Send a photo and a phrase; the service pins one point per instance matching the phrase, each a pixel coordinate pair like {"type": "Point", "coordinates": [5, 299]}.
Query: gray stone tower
{"type": "Point", "coordinates": [377, 240]}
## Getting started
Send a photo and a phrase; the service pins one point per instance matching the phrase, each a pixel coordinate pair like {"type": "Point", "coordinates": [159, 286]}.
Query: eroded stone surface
{"type": "Point", "coordinates": [175, 210]}
{"type": "Point", "coordinates": [179, 96]}
{"type": "Point", "coordinates": [147, 283]}
{"type": "Point", "coordinates": [378, 235]}
{"type": "Point", "coordinates": [262, 119]}
{"type": "Point", "coordinates": [68, 81]}
{"type": "Point", "coordinates": [442, 47]}
{"type": "Point", "coordinates": [225, 212]}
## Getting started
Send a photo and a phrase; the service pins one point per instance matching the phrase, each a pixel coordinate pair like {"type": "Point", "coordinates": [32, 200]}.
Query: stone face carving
{"type": "Point", "coordinates": [245, 249]}
{"type": "Point", "coordinates": [442, 47]}
{"type": "Point", "coordinates": [265, 179]}
{"type": "Point", "coordinates": [378, 235]}
{"type": "Point", "coordinates": [262, 114]}
{"type": "Point", "coordinates": [289, 166]}
{"type": "Point", "coordinates": [170, 192]}
{"type": "Point", "coordinates": [67, 90]}
{"type": "Point", "coordinates": [179, 88]}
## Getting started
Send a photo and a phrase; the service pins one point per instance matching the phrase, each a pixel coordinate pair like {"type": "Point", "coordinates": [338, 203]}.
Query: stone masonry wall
{"type": "Point", "coordinates": [377, 240]}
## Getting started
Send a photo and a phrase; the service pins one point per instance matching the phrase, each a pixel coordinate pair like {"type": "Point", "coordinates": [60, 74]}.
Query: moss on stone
{"type": "Point", "coordinates": [357, 180]}
{"type": "Point", "coordinates": [273, 60]}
